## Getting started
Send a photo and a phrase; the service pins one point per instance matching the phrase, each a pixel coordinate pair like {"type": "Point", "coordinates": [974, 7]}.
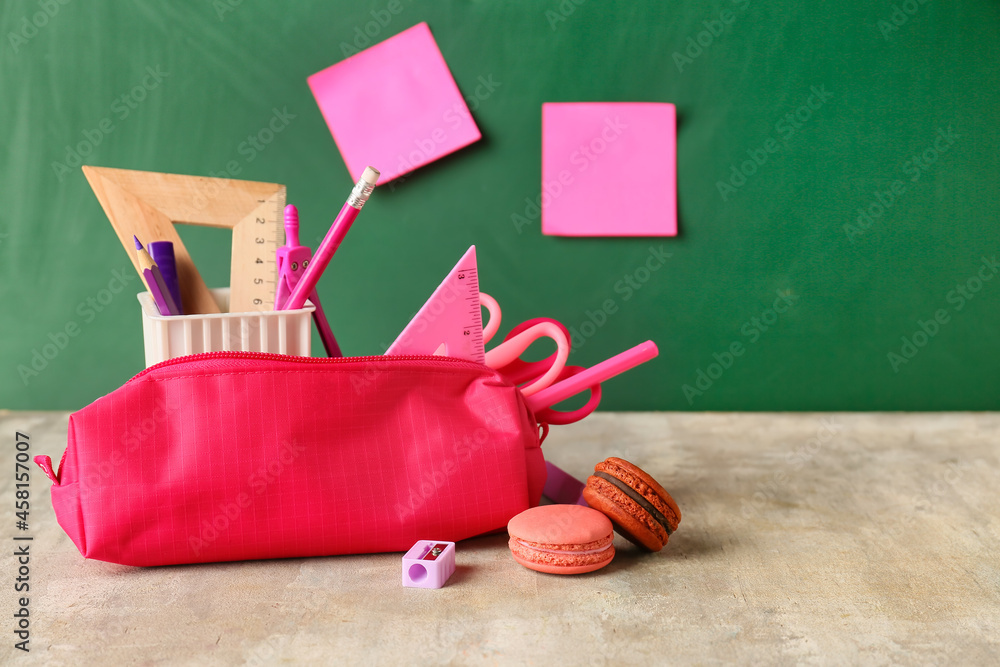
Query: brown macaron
{"type": "Point", "coordinates": [640, 509]}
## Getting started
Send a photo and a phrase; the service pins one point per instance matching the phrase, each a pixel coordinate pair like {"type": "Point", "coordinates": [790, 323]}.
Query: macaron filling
{"type": "Point", "coordinates": [575, 552]}
{"type": "Point", "coordinates": [638, 498]}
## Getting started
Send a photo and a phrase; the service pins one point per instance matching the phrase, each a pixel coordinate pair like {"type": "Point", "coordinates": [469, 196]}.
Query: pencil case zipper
{"type": "Point", "coordinates": [269, 356]}
{"type": "Point", "coordinates": [327, 361]}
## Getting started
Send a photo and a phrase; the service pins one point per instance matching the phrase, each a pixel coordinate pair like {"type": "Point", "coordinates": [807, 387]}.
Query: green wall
{"type": "Point", "coordinates": [895, 77]}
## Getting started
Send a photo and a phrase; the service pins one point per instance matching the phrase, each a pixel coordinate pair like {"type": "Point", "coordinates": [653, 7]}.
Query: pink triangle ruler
{"type": "Point", "coordinates": [450, 321]}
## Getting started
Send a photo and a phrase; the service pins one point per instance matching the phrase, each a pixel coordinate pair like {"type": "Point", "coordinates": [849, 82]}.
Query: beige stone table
{"type": "Point", "coordinates": [805, 539]}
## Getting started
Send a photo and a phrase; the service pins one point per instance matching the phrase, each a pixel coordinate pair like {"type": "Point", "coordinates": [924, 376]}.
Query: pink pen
{"type": "Point", "coordinates": [338, 230]}
{"type": "Point", "coordinates": [583, 380]}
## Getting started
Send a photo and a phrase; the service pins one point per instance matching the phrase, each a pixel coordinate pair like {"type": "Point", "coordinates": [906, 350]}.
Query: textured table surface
{"type": "Point", "coordinates": [806, 538]}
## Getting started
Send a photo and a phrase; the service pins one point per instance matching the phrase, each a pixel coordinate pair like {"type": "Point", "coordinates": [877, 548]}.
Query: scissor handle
{"type": "Point", "coordinates": [520, 371]}
{"type": "Point", "coordinates": [510, 350]}
{"type": "Point", "coordinates": [493, 308]}
{"type": "Point", "coordinates": [561, 418]}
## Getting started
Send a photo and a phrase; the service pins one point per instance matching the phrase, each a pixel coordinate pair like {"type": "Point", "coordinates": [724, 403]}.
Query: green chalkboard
{"type": "Point", "coordinates": [838, 186]}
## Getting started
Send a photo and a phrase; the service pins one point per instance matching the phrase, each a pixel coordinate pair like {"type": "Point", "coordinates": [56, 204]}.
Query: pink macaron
{"type": "Point", "coordinates": [561, 539]}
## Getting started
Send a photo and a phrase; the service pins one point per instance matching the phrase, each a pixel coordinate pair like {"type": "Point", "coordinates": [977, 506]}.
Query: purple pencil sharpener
{"type": "Point", "coordinates": [428, 564]}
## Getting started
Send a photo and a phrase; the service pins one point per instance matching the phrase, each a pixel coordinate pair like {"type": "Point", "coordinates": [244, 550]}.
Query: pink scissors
{"type": "Point", "coordinates": [535, 376]}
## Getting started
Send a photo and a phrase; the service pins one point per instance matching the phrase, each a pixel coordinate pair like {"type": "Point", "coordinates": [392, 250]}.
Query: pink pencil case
{"type": "Point", "coordinates": [236, 455]}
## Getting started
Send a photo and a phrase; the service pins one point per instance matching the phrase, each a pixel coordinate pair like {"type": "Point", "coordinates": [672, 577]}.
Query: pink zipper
{"type": "Point", "coordinates": [268, 356]}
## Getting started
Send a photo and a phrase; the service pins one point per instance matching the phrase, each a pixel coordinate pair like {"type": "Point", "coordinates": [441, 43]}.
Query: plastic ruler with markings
{"type": "Point", "coordinates": [451, 322]}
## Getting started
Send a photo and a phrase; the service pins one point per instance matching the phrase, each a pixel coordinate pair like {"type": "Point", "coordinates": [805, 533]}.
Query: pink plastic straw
{"type": "Point", "coordinates": [605, 370]}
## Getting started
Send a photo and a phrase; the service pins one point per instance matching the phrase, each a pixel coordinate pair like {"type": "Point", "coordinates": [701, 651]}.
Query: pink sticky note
{"type": "Point", "coordinates": [394, 106]}
{"type": "Point", "coordinates": [609, 169]}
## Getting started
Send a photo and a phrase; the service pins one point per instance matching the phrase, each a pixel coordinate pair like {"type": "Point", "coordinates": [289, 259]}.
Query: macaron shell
{"type": "Point", "coordinates": [623, 512]}
{"type": "Point", "coordinates": [632, 520]}
{"type": "Point", "coordinates": [551, 568]}
{"type": "Point", "coordinates": [645, 485]}
{"type": "Point", "coordinates": [561, 539]}
{"type": "Point", "coordinates": [569, 526]}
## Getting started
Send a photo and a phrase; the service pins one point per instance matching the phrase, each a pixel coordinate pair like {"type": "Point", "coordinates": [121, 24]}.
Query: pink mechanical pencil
{"type": "Point", "coordinates": [338, 230]}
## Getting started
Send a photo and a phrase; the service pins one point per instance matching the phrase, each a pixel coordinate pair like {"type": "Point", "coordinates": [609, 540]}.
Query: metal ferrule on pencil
{"type": "Point", "coordinates": [360, 194]}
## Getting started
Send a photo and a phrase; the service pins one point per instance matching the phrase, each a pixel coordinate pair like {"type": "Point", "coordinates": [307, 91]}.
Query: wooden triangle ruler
{"type": "Point", "coordinates": [451, 319]}
{"type": "Point", "coordinates": [148, 205]}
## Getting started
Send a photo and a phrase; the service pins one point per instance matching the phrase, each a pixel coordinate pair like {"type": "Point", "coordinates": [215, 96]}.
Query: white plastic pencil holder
{"type": "Point", "coordinates": [278, 331]}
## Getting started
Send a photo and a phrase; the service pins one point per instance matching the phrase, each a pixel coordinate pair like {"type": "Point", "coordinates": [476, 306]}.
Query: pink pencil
{"type": "Point", "coordinates": [605, 370]}
{"type": "Point", "coordinates": [338, 230]}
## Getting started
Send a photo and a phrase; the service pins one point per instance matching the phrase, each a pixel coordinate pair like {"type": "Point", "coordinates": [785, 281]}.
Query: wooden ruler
{"type": "Point", "coordinates": [253, 277]}
{"type": "Point", "coordinates": [148, 205]}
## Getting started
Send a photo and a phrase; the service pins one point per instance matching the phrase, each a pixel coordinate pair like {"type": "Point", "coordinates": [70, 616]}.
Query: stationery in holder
{"type": "Point", "coordinates": [231, 456]}
{"type": "Point", "coordinates": [155, 283]}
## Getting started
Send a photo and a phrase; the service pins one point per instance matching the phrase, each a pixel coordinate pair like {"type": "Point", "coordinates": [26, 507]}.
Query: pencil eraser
{"type": "Point", "coordinates": [395, 105]}
{"type": "Point", "coordinates": [428, 564]}
{"type": "Point", "coordinates": [608, 169]}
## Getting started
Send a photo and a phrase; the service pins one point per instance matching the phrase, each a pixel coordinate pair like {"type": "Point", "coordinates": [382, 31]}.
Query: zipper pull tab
{"type": "Point", "coordinates": [45, 463]}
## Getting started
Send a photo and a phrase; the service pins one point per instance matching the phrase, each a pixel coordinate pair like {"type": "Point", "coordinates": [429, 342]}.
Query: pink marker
{"type": "Point", "coordinates": [583, 380]}
{"type": "Point", "coordinates": [338, 230]}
